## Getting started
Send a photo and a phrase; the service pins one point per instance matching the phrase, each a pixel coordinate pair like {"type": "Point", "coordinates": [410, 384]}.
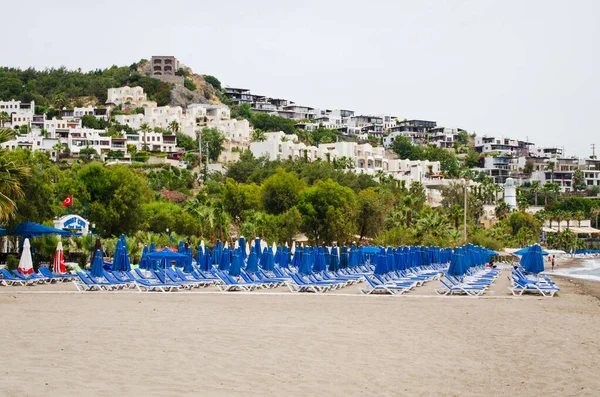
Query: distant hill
{"type": "Point", "coordinates": [59, 88]}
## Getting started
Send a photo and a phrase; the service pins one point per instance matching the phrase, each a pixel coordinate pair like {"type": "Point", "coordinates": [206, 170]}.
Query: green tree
{"type": "Point", "coordinates": [240, 198]}
{"type": "Point", "coordinates": [186, 142]}
{"type": "Point", "coordinates": [145, 128]}
{"type": "Point", "coordinates": [266, 122]}
{"type": "Point", "coordinates": [473, 159]}
{"type": "Point", "coordinates": [280, 192]}
{"type": "Point", "coordinates": [242, 111]}
{"type": "Point", "coordinates": [12, 174]}
{"type": "Point", "coordinates": [215, 140]}
{"type": "Point", "coordinates": [578, 181]}
{"type": "Point", "coordinates": [462, 137]}
{"type": "Point", "coordinates": [502, 210]}
{"type": "Point", "coordinates": [371, 213]}
{"type": "Point", "coordinates": [4, 118]}
{"type": "Point", "coordinates": [405, 149]}
{"type": "Point", "coordinates": [212, 81]}
{"type": "Point", "coordinates": [87, 154]}
{"type": "Point", "coordinates": [173, 126]}
{"type": "Point", "coordinates": [328, 212]}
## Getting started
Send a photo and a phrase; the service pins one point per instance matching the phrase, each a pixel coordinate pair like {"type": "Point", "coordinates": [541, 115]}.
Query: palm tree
{"type": "Point", "coordinates": [551, 167]}
{"type": "Point", "coordinates": [595, 212]}
{"type": "Point", "coordinates": [568, 217]}
{"type": "Point", "coordinates": [379, 175]}
{"type": "Point", "coordinates": [432, 224]}
{"type": "Point", "coordinates": [174, 126]}
{"type": "Point", "coordinates": [395, 218]}
{"type": "Point", "coordinates": [408, 203]}
{"type": "Point", "coordinates": [12, 174]}
{"type": "Point", "coordinates": [551, 215]}
{"type": "Point", "coordinates": [535, 188]}
{"type": "Point", "coordinates": [502, 210]}
{"type": "Point", "coordinates": [145, 127]}
{"type": "Point", "coordinates": [579, 216]}
{"type": "Point", "coordinates": [4, 118]}
{"type": "Point", "coordinates": [559, 216]}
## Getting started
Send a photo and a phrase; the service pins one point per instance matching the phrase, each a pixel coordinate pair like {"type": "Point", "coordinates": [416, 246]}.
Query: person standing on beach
{"type": "Point", "coordinates": [552, 260]}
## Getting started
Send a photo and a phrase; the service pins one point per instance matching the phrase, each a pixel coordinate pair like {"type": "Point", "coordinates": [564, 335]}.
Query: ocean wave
{"type": "Point", "coordinates": [589, 271]}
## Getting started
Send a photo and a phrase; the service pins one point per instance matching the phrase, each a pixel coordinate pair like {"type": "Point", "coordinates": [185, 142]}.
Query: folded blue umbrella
{"type": "Point", "coordinates": [187, 266]}
{"type": "Point", "coordinates": [306, 262]}
{"type": "Point", "coordinates": [243, 253]}
{"type": "Point", "coordinates": [236, 264]}
{"type": "Point", "coordinates": [297, 258]}
{"type": "Point", "coordinates": [269, 262]}
{"type": "Point", "coordinates": [257, 247]}
{"type": "Point", "coordinates": [344, 258]}
{"type": "Point", "coordinates": [319, 264]}
{"type": "Point", "coordinates": [456, 267]}
{"type": "Point", "coordinates": [284, 259]}
{"type": "Point", "coordinates": [199, 256]}
{"type": "Point", "coordinates": [144, 262]}
{"type": "Point", "coordinates": [334, 262]}
{"type": "Point", "coordinates": [278, 254]}
{"type": "Point", "coordinates": [225, 260]}
{"type": "Point", "coordinates": [252, 265]}
{"type": "Point", "coordinates": [97, 270]}
{"type": "Point", "coordinates": [380, 263]}
{"type": "Point", "coordinates": [117, 256]}
{"type": "Point", "coordinates": [533, 261]}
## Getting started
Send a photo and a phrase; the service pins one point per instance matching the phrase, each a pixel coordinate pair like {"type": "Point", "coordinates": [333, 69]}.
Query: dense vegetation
{"type": "Point", "coordinates": [256, 197]}
{"type": "Point", "coordinates": [59, 88]}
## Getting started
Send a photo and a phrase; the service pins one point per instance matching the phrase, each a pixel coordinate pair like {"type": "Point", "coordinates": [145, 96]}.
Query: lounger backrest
{"type": "Point", "coordinates": [46, 272]}
{"type": "Point", "coordinates": [372, 282]}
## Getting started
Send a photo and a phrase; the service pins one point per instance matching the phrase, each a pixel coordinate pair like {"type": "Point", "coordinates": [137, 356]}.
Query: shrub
{"type": "Point", "coordinates": [189, 84]}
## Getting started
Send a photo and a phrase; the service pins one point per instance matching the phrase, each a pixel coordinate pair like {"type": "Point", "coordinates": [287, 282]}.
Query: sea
{"type": "Point", "coordinates": [589, 271]}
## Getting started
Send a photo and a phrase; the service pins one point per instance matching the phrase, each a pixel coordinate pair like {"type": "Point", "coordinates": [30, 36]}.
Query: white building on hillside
{"type": "Point", "coordinates": [365, 158]}
{"type": "Point", "coordinates": [133, 95]}
{"type": "Point", "coordinates": [19, 113]}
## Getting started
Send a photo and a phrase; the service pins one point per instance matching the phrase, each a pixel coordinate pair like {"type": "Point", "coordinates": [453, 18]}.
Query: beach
{"type": "Point", "coordinates": [57, 342]}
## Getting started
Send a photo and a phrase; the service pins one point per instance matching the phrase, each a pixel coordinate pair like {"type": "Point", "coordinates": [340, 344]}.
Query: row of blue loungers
{"type": "Point", "coordinates": [174, 279]}
{"type": "Point", "coordinates": [523, 282]}
{"type": "Point", "coordinates": [43, 276]}
{"type": "Point", "coordinates": [163, 280]}
{"type": "Point", "coordinates": [475, 282]}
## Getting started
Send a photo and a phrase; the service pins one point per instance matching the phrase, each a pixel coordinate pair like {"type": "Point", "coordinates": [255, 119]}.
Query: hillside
{"type": "Point", "coordinates": [60, 88]}
{"type": "Point", "coordinates": [196, 89]}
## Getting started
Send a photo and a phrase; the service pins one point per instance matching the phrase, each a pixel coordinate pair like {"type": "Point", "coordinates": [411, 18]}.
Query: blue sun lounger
{"type": "Point", "coordinates": [32, 277]}
{"type": "Point", "coordinates": [299, 284]}
{"type": "Point", "coordinates": [466, 289]}
{"type": "Point", "coordinates": [374, 287]}
{"type": "Point", "coordinates": [46, 272]}
{"type": "Point", "coordinates": [231, 284]}
{"type": "Point", "coordinates": [522, 285]}
{"type": "Point", "coordinates": [85, 282]}
{"type": "Point", "coordinates": [9, 279]}
{"type": "Point", "coordinates": [146, 285]}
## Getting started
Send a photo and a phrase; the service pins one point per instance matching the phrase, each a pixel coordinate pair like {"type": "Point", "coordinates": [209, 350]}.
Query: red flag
{"type": "Point", "coordinates": [68, 201]}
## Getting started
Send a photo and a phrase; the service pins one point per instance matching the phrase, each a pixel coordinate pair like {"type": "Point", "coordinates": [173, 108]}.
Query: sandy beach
{"type": "Point", "coordinates": [57, 342]}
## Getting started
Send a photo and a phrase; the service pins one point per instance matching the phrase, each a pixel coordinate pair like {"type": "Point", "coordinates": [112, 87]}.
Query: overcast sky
{"type": "Point", "coordinates": [520, 69]}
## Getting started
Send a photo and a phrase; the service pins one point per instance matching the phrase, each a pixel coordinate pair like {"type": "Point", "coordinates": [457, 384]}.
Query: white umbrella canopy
{"type": "Point", "coordinates": [274, 247]}
{"type": "Point", "coordinates": [26, 264]}
{"type": "Point", "coordinates": [247, 249]}
{"type": "Point", "coordinates": [226, 244]}
{"type": "Point", "coordinates": [58, 265]}
{"type": "Point", "coordinates": [293, 250]}
{"type": "Point", "coordinates": [236, 245]}
{"type": "Point", "coordinates": [202, 245]}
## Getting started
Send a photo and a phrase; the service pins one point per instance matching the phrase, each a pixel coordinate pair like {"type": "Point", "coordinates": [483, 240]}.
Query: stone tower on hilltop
{"type": "Point", "coordinates": [164, 68]}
